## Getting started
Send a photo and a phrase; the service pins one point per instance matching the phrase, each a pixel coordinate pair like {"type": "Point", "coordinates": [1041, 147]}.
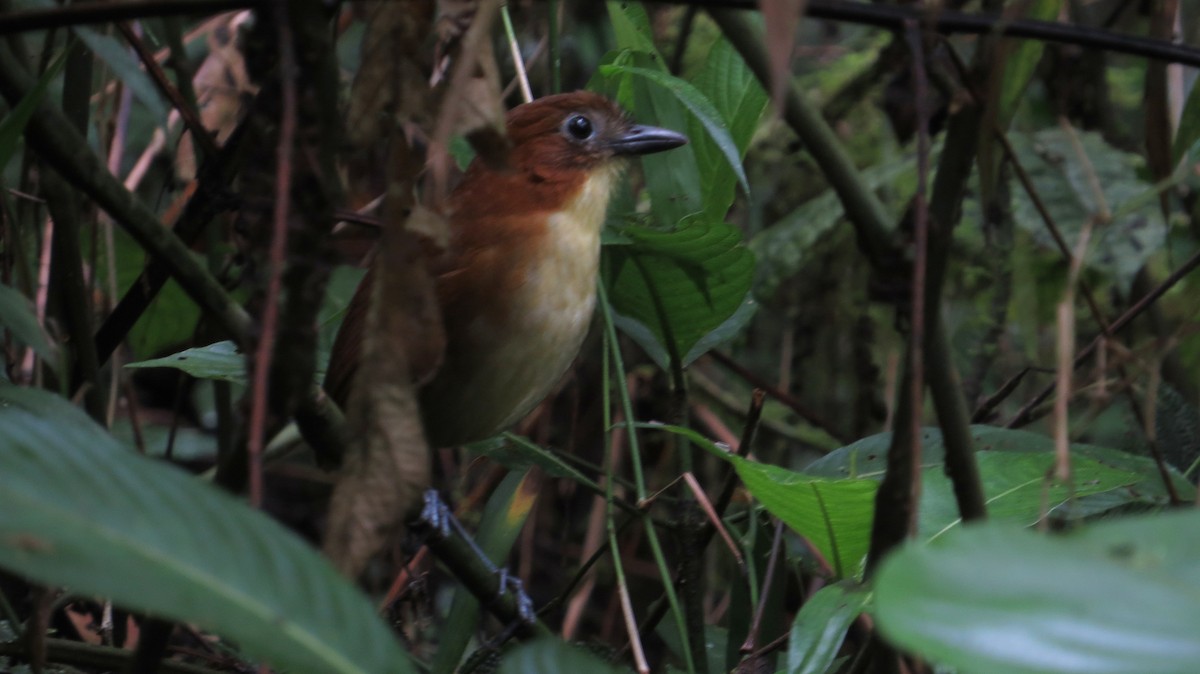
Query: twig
{"type": "Point", "coordinates": [278, 249]}
{"type": "Point", "coordinates": [1023, 415]}
{"type": "Point", "coordinates": [84, 13]}
{"type": "Point", "coordinates": [203, 138]}
{"type": "Point", "coordinates": [782, 396]}
{"type": "Point", "coordinates": [912, 33]}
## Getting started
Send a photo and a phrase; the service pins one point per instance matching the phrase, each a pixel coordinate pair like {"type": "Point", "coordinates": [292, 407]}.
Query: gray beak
{"type": "Point", "coordinates": [640, 139]}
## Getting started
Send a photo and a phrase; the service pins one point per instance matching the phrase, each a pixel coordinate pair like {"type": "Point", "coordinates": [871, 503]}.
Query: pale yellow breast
{"type": "Point", "coordinates": [512, 366]}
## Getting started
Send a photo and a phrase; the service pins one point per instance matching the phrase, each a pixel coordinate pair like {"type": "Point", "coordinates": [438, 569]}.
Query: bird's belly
{"type": "Point", "coordinates": [511, 363]}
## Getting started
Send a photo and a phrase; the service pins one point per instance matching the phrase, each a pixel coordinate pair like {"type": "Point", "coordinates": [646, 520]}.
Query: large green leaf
{"type": "Point", "coordinates": [1118, 597]}
{"type": "Point", "coordinates": [1066, 180]}
{"type": "Point", "coordinates": [820, 626]}
{"type": "Point", "coordinates": [739, 99]}
{"type": "Point", "coordinates": [1106, 479]}
{"type": "Point", "coordinates": [702, 109]}
{"type": "Point", "coordinates": [79, 510]}
{"type": "Point", "coordinates": [672, 178]}
{"type": "Point", "coordinates": [1016, 488]}
{"type": "Point", "coordinates": [17, 316]}
{"type": "Point", "coordinates": [679, 285]}
{"type": "Point", "coordinates": [833, 514]}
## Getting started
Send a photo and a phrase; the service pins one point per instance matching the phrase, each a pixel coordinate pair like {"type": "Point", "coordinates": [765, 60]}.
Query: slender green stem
{"type": "Point", "coordinates": [635, 455]}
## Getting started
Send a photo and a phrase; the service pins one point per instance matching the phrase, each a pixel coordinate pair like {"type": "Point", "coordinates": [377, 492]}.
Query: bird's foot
{"type": "Point", "coordinates": [442, 531]}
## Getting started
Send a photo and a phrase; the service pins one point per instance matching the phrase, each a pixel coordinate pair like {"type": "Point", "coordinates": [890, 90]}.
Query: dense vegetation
{"type": "Point", "coordinates": [894, 368]}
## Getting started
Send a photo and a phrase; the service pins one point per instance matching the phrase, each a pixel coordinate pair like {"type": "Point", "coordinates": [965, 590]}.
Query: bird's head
{"type": "Point", "coordinates": [579, 131]}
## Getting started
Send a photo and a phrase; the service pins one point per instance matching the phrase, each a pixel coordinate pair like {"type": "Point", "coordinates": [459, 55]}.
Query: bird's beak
{"type": "Point", "coordinates": [639, 139]}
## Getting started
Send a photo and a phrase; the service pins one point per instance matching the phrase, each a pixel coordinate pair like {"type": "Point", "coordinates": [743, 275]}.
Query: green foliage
{"type": "Point", "coordinates": [220, 362]}
{"type": "Point", "coordinates": [1119, 596]}
{"type": "Point", "coordinates": [551, 656]}
{"type": "Point", "coordinates": [13, 124]}
{"type": "Point", "coordinates": [820, 626]}
{"type": "Point", "coordinates": [681, 285]}
{"type": "Point", "coordinates": [73, 501]}
{"type": "Point", "coordinates": [1079, 178]}
{"type": "Point", "coordinates": [18, 318]}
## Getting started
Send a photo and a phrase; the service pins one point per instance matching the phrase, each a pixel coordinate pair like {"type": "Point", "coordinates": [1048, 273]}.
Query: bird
{"type": "Point", "coordinates": [517, 283]}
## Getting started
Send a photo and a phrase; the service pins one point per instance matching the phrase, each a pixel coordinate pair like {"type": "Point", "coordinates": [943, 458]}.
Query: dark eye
{"type": "Point", "coordinates": [579, 127]}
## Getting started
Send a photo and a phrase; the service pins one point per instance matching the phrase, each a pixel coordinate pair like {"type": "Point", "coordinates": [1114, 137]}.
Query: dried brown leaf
{"type": "Point", "coordinates": [781, 18]}
{"type": "Point", "coordinates": [222, 86]}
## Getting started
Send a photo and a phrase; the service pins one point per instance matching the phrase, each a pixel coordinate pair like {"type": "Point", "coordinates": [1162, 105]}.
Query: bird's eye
{"type": "Point", "coordinates": [580, 127]}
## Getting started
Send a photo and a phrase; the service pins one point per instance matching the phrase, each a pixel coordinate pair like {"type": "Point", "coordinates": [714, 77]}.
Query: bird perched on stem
{"type": "Point", "coordinates": [517, 284]}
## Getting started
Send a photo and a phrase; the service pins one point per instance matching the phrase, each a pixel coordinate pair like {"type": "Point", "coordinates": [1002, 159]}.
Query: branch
{"type": "Point", "coordinates": [54, 139]}
{"type": "Point", "coordinates": [893, 17]}
{"type": "Point", "coordinates": [104, 12]}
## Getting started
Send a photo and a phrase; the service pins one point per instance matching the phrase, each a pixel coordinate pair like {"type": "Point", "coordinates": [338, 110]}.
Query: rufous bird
{"type": "Point", "coordinates": [517, 285]}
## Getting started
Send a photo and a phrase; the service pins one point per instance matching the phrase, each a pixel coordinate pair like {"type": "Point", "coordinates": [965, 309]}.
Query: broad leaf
{"type": "Point", "coordinates": [833, 514]}
{"type": "Point", "coordinates": [79, 510]}
{"type": "Point", "coordinates": [1106, 478]}
{"type": "Point", "coordinates": [820, 626]}
{"type": "Point", "coordinates": [1120, 596]}
{"type": "Point", "coordinates": [17, 316]}
{"type": "Point", "coordinates": [697, 104]}
{"type": "Point", "coordinates": [1065, 178]}
{"type": "Point", "coordinates": [672, 178]}
{"type": "Point", "coordinates": [740, 100]}
{"type": "Point", "coordinates": [680, 285]}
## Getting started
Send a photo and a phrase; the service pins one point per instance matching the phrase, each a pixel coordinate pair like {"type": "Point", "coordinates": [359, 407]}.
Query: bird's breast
{"type": "Point", "coordinates": [511, 359]}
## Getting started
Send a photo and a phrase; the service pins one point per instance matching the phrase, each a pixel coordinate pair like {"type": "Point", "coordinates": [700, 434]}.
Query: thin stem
{"type": "Point", "coordinates": [635, 455]}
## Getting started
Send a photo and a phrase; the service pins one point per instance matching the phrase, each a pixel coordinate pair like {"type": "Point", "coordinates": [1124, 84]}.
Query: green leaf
{"type": "Point", "coordinates": [994, 446]}
{"type": "Point", "coordinates": [740, 100]}
{"type": "Point", "coordinates": [18, 317]}
{"type": "Point", "coordinates": [631, 26]}
{"type": "Point", "coordinates": [1064, 181]}
{"type": "Point", "coordinates": [1016, 489]}
{"type": "Point", "coordinates": [680, 285]}
{"type": "Point", "coordinates": [79, 510]}
{"type": "Point", "coordinates": [1121, 596]}
{"type": "Point", "coordinates": [13, 124]}
{"type": "Point", "coordinates": [696, 103]}
{"type": "Point", "coordinates": [1022, 60]}
{"type": "Point", "coordinates": [127, 68]}
{"type": "Point", "coordinates": [672, 178]}
{"type": "Point", "coordinates": [1177, 427]}
{"type": "Point", "coordinates": [552, 656]}
{"type": "Point", "coordinates": [820, 626]}
{"type": "Point", "coordinates": [220, 361]}
{"type": "Point", "coordinates": [834, 515]}
{"type": "Point", "coordinates": [784, 248]}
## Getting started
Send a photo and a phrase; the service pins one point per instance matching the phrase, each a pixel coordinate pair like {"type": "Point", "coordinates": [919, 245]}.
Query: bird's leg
{"type": "Point", "coordinates": [453, 545]}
